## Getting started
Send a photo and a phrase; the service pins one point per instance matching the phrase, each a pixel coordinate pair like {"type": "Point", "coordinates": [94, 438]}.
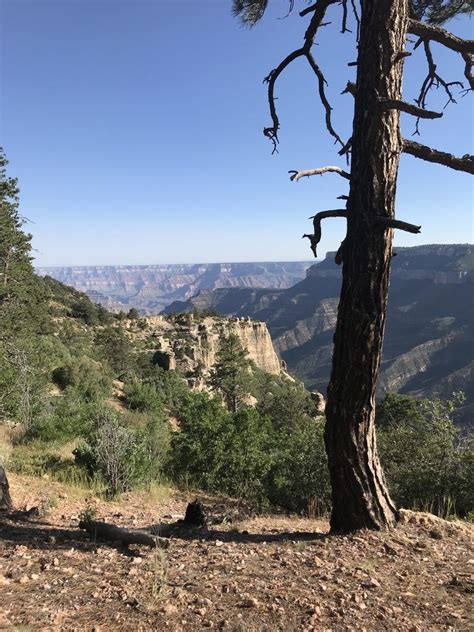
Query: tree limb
{"type": "Point", "coordinates": [319, 10]}
{"type": "Point", "coordinates": [322, 95]}
{"type": "Point", "coordinates": [297, 175]}
{"type": "Point", "coordinates": [107, 531]}
{"type": "Point", "coordinates": [272, 132]}
{"type": "Point", "coordinates": [465, 163]}
{"type": "Point", "coordinates": [388, 222]}
{"type": "Point", "coordinates": [408, 108]}
{"type": "Point", "coordinates": [437, 34]}
{"type": "Point", "coordinates": [315, 238]}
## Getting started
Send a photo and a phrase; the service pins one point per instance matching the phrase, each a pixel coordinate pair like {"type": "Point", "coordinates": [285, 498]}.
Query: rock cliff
{"type": "Point", "coordinates": [190, 344]}
{"type": "Point", "coordinates": [429, 340]}
{"type": "Point", "coordinates": [150, 288]}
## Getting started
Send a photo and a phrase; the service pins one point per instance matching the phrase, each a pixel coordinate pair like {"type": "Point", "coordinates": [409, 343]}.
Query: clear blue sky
{"type": "Point", "coordinates": [135, 129]}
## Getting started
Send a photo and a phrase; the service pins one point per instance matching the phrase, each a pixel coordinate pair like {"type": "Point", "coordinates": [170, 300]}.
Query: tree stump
{"type": "Point", "coordinates": [5, 498]}
{"type": "Point", "coordinates": [195, 516]}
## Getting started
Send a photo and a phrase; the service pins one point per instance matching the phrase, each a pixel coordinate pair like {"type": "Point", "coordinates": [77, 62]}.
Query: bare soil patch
{"type": "Point", "coordinates": [246, 572]}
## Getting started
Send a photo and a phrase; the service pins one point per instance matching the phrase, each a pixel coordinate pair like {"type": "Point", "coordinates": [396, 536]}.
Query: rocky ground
{"type": "Point", "coordinates": [247, 572]}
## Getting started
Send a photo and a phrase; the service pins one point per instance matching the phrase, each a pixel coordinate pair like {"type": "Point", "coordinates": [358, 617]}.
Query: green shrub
{"type": "Point", "coordinates": [87, 376]}
{"type": "Point", "coordinates": [122, 454]}
{"type": "Point", "coordinates": [143, 396]}
{"type": "Point", "coordinates": [300, 474]}
{"type": "Point", "coordinates": [69, 416]}
{"type": "Point", "coordinates": [246, 454]}
{"type": "Point", "coordinates": [427, 464]}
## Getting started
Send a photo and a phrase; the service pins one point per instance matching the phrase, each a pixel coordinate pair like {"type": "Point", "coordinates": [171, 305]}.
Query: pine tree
{"type": "Point", "coordinates": [231, 372]}
{"type": "Point", "coordinates": [15, 245]}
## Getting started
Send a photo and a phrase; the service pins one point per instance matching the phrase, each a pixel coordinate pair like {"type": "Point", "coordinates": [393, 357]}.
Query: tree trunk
{"type": "Point", "coordinates": [360, 496]}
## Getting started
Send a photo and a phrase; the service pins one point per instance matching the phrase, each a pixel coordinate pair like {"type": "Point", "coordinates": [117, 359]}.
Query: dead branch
{"type": "Point", "coordinates": [322, 95]}
{"type": "Point", "coordinates": [315, 238]}
{"type": "Point", "coordinates": [437, 34]}
{"type": "Point", "coordinates": [433, 79]}
{"type": "Point", "coordinates": [107, 531]}
{"type": "Point", "coordinates": [297, 175]}
{"type": "Point", "coordinates": [344, 28]}
{"type": "Point", "coordinates": [465, 163]}
{"type": "Point", "coordinates": [388, 222]}
{"type": "Point", "coordinates": [319, 11]}
{"type": "Point", "coordinates": [357, 19]}
{"type": "Point", "coordinates": [408, 108]}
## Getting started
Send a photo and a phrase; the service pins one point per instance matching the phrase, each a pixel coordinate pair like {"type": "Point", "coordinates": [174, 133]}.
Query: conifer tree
{"type": "Point", "coordinates": [231, 372]}
{"type": "Point", "coordinates": [16, 269]}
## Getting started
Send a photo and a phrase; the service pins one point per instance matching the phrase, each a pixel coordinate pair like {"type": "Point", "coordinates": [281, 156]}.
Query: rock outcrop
{"type": "Point", "coordinates": [190, 344]}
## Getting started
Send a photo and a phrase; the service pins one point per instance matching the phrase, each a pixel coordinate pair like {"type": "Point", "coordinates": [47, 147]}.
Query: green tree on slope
{"type": "Point", "coordinates": [231, 372]}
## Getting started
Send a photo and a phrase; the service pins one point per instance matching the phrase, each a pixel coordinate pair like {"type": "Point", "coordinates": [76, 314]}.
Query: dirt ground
{"type": "Point", "coordinates": [246, 572]}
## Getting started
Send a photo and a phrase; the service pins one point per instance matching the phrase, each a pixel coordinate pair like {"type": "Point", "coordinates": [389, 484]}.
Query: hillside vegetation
{"type": "Point", "coordinates": [83, 398]}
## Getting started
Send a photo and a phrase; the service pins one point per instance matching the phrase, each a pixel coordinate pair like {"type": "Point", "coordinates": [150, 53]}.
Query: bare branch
{"type": "Point", "coordinates": [388, 222]}
{"type": "Point", "coordinates": [315, 238]}
{"type": "Point", "coordinates": [322, 95]}
{"type": "Point", "coordinates": [408, 108]}
{"type": "Point", "coordinates": [319, 10]}
{"type": "Point", "coordinates": [357, 19]}
{"type": "Point", "coordinates": [432, 79]}
{"type": "Point", "coordinates": [272, 132]}
{"type": "Point", "coordinates": [465, 163]}
{"type": "Point", "coordinates": [344, 28]}
{"type": "Point", "coordinates": [297, 175]}
{"type": "Point", "coordinates": [437, 34]}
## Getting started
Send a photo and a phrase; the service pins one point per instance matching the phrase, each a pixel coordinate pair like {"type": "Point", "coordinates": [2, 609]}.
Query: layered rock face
{"type": "Point", "coordinates": [429, 342]}
{"type": "Point", "coordinates": [190, 345]}
{"type": "Point", "coordinates": [151, 288]}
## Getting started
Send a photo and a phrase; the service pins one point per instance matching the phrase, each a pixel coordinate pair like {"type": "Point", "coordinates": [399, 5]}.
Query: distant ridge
{"type": "Point", "coordinates": [150, 288]}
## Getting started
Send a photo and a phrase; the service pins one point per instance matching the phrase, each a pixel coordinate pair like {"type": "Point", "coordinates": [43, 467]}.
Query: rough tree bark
{"type": "Point", "coordinates": [360, 496]}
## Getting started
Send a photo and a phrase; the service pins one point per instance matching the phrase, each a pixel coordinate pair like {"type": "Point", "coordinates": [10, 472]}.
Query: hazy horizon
{"type": "Point", "coordinates": [197, 263]}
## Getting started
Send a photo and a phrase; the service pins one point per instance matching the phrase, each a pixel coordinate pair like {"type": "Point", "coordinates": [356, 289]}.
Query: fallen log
{"type": "Point", "coordinates": [106, 531]}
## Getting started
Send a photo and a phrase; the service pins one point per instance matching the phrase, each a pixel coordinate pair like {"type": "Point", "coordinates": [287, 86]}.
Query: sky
{"type": "Point", "coordinates": [135, 130]}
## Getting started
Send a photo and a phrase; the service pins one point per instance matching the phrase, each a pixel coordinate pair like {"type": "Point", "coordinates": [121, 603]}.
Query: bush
{"type": "Point", "coordinates": [300, 476]}
{"type": "Point", "coordinates": [69, 416]}
{"type": "Point", "coordinates": [143, 397]}
{"type": "Point", "coordinates": [247, 454]}
{"type": "Point", "coordinates": [427, 464]}
{"type": "Point", "coordinates": [87, 376]}
{"type": "Point", "coordinates": [123, 455]}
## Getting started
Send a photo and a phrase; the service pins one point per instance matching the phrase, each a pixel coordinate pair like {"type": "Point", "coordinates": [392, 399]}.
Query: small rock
{"type": "Point", "coordinates": [169, 608]}
{"type": "Point", "coordinates": [250, 602]}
